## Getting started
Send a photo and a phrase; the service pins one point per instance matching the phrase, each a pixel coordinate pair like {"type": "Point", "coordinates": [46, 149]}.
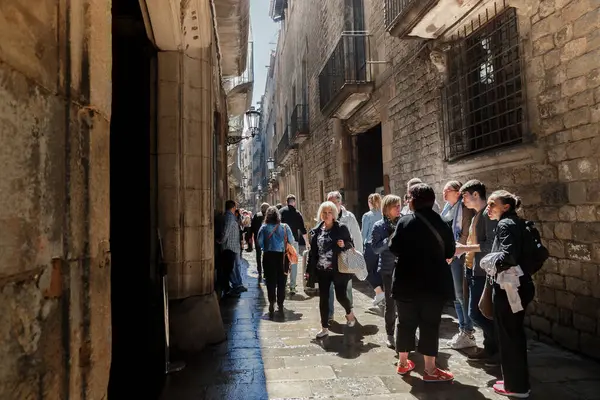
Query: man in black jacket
{"type": "Point", "coordinates": [255, 225]}
{"type": "Point", "coordinates": [293, 217]}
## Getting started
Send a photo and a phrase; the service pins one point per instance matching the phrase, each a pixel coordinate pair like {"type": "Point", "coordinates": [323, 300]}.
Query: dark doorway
{"type": "Point", "coordinates": [369, 165]}
{"type": "Point", "coordinates": [136, 297]}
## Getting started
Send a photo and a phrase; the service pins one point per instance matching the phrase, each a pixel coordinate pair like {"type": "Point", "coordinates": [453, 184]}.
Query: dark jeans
{"type": "Point", "coordinates": [372, 260]}
{"type": "Point", "coordinates": [273, 266]}
{"type": "Point", "coordinates": [226, 268]}
{"type": "Point", "coordinates": [390, 304]}
{"type": "Point", "coordinates": [476, 286]}
{"type": "Point", "coordinates": [258, 259]}
{"type": "Point", "coordinates": [511, 337]}
{"type": "Point", "coordinates": [340, 284]}
{"type": "Point", "coordinates": [423, 313]}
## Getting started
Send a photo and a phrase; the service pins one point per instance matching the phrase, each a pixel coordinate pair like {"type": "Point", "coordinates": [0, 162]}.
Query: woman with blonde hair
{"type": "Point", "coordinates": [368, 221]}
{"type": "Point", "coordinates": [386, 260]}
{"type": "Point", "coordinates": [328, 239]}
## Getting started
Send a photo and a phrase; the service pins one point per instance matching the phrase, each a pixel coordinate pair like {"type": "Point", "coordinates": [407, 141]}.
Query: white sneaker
{"type": "Point", "coordinates": [322, 333]}
{"type": "Point", "coordinates": [462, 340]}
{"type": "Point", "coordinates": [350, 322]}
{"type": "Point", "coordinates": [379, 297]}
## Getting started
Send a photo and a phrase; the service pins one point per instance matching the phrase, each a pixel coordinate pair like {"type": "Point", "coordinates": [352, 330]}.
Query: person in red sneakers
{"type": "Point", "coordinates": [422, 281]}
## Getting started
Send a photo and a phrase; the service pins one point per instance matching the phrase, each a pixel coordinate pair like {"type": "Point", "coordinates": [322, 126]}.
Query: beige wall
{"type": "Point", "coordinates": [55, 99]}
{"type": "Point", "coordinates": [557, 174]}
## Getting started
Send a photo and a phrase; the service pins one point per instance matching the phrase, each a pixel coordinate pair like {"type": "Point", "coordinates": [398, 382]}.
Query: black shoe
{"type": "Point", "coordinates": [271, 308]}
{"type": "Point", "coordinates": [480, 355]}
{"type": "Point", "coordinates": [280, 307]}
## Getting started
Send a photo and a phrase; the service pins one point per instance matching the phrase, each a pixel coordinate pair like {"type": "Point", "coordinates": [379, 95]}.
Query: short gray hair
{"type": "Point", "coordinates": [335, 194]}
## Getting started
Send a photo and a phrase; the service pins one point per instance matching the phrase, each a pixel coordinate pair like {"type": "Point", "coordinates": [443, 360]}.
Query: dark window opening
{"type": "Point", "coordinates": [484, 103]}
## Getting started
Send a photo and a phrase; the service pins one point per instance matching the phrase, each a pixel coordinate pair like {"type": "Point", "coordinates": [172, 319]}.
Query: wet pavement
{"type": "Point", "coordinates": [280, 358]}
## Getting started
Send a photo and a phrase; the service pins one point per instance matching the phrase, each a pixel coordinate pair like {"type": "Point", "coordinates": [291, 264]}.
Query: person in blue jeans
{"type": "Point", "coordinates": [459, 217]}
{"type": "Point", "coordinates": [479, 244]}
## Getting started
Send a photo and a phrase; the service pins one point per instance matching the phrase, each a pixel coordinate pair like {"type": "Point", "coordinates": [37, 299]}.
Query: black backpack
{"type": "Point", "coordinates": [534, 253]}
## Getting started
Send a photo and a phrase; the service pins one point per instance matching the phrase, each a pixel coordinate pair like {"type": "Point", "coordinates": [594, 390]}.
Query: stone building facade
{"type": "Point", "coordinates": [113, 120]}
{"type": "Point", "coordinates": [504, 91]}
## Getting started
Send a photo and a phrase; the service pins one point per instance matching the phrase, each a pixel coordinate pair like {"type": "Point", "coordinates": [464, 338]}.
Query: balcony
{"type": "Point", "coordinates": [233, 28]}
{"type": "Point", "coordinates": [299, 124]}
{"type": "Point", "coordinates": [345, 83]}
{"type": "Point", "coordinates": [277, 9]}
{"type": "Point", "coordinates": [426, 19]}
{"type": "Point", "coordinates": [285, 148]}
{"type": "Point", "coordinates": [239, 88]}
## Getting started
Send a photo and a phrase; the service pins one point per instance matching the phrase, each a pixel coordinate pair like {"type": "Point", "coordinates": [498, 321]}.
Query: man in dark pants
{"type": "Point", "coordinates": [230, 248]}
{"type": "Point", "coordinates": [255, 225]}
{"type": "Point", "coordinates": [291, 216]}
{"type": "Point", "coordinates": [479, 244]}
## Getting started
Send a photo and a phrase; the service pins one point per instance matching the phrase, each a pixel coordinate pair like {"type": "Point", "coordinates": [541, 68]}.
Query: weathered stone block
{"type": "Point", "coordinates": [567, 213]}
{"type": "Point", "coordinates": [577, 117]}
{"type": "Point", "coordinates": [579, 251]}
{"type": "Point", "coordinates": [562, 230]}
{"type": "Point", "coordinates": [565, 300]}
{"type": "Point", "coordinates": [547, 213]}
{"type": "Point", "coordinates": [577, 192]}
{"type": "Point", "coordinates": [557, 153]}
{"type": "Point", "coordinates": [589, 273]}
{"type": "Point", "coordinates": [543, 45]}
{"type": "Point", "coordinates": [541, 324]}
{"type": "Point", "coordinates": [573, 49]}
{"type": "Point", "coordinates": [582, 65]}
{"type": "Point", "coordinates": [554, 281]}
{"type": "Point", "coordinates": [556, 248]}
{"type": "Point", "coordinates": [577, 286]}
{"type": "Point", "coordinates": [545, 295]}
{"type": "Point", "coordinates": [585, 132]}
{"type": "Point", "coordinates": [586, 232]}
{"type": "Point", "coordinates": [551, 265]}
{"type": "Point", "coordinates": [587, 23]}
{"type": "Point", "coordinates": [576, 9]}
{"type": "Point", "coordinates": [566, 336]}
{"type": "Point", "coordinates": [584, 99]}
{"type": "Point", "coordinates": [569, 268]}
{"type": "Point", "coordinates": [550, 60]}
{"type": "Point", "coordinates": [562, 36]}
{"type": "Point", "coordinates": [546, 8]}
{"type": "Point", "coordinates": [586, 213]}
{"type": "Point", "coordinates": [565, 317]}
{"type": "Point", "coordinates": [583, 323]}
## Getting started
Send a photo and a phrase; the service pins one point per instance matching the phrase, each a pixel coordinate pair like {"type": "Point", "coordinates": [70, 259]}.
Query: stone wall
{"type": "Point", "coordinates": [55, 99]}
{"type": "Point", "coordinates": [556, 172]}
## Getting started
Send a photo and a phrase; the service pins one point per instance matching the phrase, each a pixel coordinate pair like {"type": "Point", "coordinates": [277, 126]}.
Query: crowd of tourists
{"type": "Point", "coordinates": [475, 251]}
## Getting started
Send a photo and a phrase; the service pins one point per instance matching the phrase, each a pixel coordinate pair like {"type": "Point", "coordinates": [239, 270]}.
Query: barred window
{"type": "Point", "coordinates": [483, 96]}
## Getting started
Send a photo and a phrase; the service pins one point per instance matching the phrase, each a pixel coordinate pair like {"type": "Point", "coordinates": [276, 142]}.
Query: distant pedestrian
{"type": "Point", "coordinates": [372, 260]}
{"type": "Point", "coordinates": [272, 237]}
{"type": "Point", "coordinates": [255, 225]}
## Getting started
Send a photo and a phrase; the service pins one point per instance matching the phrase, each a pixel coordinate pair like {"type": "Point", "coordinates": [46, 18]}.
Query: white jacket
{"type": "Point", "coordinates": [348, 219]}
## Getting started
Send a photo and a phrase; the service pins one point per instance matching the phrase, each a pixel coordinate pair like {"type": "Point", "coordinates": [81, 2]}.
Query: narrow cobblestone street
{"type": "Point", "coordinates": [280, 358]}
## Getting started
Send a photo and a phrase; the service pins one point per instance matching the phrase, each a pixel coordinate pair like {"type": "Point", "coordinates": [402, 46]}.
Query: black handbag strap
{"type": "Point", "coordinates": [434, 231]}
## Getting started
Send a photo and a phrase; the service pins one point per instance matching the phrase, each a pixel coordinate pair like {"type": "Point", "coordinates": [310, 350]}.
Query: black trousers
{"type": "Point", "coordinates": [390, 304]}
{"type": "Point", "coordinates": [258, 259]}
{"type": "Point", "coordinates": [511, 337]}
{"type": "Point", "coordinates": [425, 314]}
{"type": "Point", "coordinates": [340, 284]}
{"type": "Point", "coordinates": [273, 267]}
{"type": "Point", "coordinates": [226, 268]}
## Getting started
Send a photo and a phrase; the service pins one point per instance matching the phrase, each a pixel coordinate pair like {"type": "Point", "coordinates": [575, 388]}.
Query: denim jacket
{"type": "Point", "coordinates": [276, 241]}
{"type": "Point", "coordinates": [368, 220]}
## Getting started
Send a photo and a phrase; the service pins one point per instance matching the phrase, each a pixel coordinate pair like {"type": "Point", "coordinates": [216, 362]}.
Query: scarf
{"type": "Point", "coordinates": [390, 224]}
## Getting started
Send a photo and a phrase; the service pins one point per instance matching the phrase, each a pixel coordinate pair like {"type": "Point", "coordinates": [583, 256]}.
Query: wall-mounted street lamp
{"type": "Point", "coordinates": [252, 119]}
{"type": "Point", "coordinates": [271, 164]}
{"type": "Point", "coordinates": [245, 181]}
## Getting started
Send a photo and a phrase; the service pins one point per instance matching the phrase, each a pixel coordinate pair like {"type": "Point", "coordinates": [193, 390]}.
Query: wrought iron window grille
{"type": "Point", "coordinates": [484, 97]}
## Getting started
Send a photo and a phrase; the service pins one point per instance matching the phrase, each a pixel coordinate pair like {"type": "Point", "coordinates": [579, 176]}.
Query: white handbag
{"type": "Point", "coordinates": [352, 261]}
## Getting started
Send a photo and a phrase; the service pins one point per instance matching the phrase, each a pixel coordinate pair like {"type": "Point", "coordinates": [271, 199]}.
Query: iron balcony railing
{"type": "Point", "coordinates": [299, 121]}
{"type": "Point", "coordinates": [348, 64]}
{"type": "Point", "coordinates": [283, 146]}
{"type": "Point", "coordinates": [397, 10]}
{"type": "Point", "coordinates": [229, 83]}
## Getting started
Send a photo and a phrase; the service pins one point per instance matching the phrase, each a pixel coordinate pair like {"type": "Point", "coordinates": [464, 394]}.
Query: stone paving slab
{"type": "Point", "coordinates": [280, 358]}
